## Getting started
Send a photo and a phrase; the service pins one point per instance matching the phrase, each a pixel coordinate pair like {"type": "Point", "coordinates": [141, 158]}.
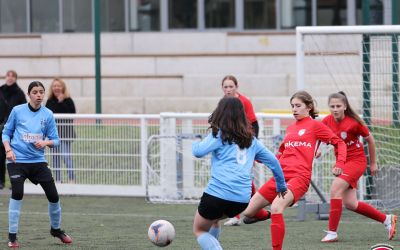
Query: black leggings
{"type": "Point", "coordinates": [2, 163]}
{"type": "Point", "coordinates": [17, 191]}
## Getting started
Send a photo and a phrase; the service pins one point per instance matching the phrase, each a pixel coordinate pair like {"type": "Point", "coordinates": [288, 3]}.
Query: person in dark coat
{"type": "Point", "coordinates": [60, 101]}
{"type": "Point", "coordinates": [11, 95]}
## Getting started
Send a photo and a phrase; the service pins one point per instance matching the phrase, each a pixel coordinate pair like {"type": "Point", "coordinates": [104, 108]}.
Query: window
{"type": "Point", "coordinates": [77, 15]}
{"type": "Point", "coordinates": [112, 15]}
{"type": "Point", "coordinates": [44, 16]}
{"type": "Point", "coordinates": [331, 12]}
{"type": "Point", "coordinates": [220, 13]}
{"type": "Point", "coordinates": [259, 14]}
{"type": "Point", "coordinates": [13, 16]}
{"type": "Point", "coordinates": [398, 14]}
{"type": "Point", "coordinates": [182, 14]}
{"type": "Point", "coordinates": [295, 13]}
{"type": "Point", "coordinates": [144, 15]}
{"type": "Point", "coordinates": [375, 12]}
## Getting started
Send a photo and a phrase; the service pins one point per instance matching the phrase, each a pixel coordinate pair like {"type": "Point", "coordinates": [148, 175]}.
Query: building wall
{"type": "Point", "coordinates": [157, 72]}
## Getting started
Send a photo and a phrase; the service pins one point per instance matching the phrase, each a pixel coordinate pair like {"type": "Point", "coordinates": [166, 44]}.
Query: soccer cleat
{"type": "Point", "coordinates": [232, 222]}
{"type": "Point", "coordinates": [330, 236]}
{"type": "Point", "coordinates": [65, 238]}
{"type": "Point", "coordinates": [391, 226]}
{"type": "Point", "coordinates": [13, 244]}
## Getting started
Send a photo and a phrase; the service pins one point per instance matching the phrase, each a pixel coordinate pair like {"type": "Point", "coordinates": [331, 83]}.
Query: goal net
{"type": "Point", "coordinates": [362, 61]}
{"type": "Point", "coordinates": [174, 175]}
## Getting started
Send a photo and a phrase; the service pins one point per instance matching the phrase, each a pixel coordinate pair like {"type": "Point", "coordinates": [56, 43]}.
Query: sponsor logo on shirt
{"type": "Point", "coordinates": [343, 134]}
{"type": "Point", "coordinates": [301, 132]}
{"type": "Point", "coordinates": [31, 138]}
{"type": "Point", "coordinates": [349, 143]}
{"type": "Point", "coordinates": [43, 123]}
{"type": "Point", "coordinates": [294, 144]}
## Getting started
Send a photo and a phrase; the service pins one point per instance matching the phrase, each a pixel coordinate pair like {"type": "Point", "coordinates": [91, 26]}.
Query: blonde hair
{"type": "Point", "coordinates": [63, 86]}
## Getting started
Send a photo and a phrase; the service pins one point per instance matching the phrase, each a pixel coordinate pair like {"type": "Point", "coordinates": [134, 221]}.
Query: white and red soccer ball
{"type": "Point", "coordinates": [161, 233]}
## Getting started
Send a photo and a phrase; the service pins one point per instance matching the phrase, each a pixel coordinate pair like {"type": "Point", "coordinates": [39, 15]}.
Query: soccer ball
{"type": "Point", "coordinates": [161, 233]}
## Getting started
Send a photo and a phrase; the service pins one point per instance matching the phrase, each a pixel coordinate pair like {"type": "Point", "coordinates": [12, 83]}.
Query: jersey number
{"type": "Point", "coordinates": [241, 156]}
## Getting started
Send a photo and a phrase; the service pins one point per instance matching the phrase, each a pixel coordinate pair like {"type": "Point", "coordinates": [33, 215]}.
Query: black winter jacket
{"type": "Point", "coordinates": [10, 96]}
{"type": "Point", "coordinates": [64, 126]}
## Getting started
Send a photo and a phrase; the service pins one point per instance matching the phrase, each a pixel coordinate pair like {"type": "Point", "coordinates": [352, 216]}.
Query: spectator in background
{"type": "Point", "coordinates": [11, 95]}
{"type": "Point", "coordinates": [60, 101]}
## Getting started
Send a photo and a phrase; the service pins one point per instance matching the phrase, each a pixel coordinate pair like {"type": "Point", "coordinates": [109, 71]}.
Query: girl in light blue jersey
{"type": "Point", "coordinates": [233, 150]}
{"type": "Point", "coordinates": [29, 129]}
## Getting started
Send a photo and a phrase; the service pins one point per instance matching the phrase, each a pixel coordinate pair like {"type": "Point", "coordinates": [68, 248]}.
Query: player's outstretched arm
{"type": "Point", "coordinates": [268, 158]}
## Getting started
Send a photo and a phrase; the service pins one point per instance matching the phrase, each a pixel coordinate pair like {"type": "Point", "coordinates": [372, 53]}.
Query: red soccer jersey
{"type": "Point", "coordinates": [298, 148]}
{"type": "Point", "coordinates": [248, 108]}
{"type": "Point", "coordinates": [349, 130]}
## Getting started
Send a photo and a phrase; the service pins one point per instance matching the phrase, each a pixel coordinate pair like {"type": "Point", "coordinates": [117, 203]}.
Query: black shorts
{"type": "Point", "coordinates": [36, 172]}
{"type": "Point", "coordinates": [212, 207]}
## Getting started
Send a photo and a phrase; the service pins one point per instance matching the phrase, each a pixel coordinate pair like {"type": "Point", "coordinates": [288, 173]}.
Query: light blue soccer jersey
{"type": "Point", "coordinates": [231, 167]}
{"type": "Point", "coordinates": [25, 127]}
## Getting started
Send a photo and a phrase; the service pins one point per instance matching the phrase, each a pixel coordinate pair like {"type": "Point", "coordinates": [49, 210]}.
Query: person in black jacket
{"type": "Point", "coordinates": [60, 101]}
{"type": "Point", "coordinates": [11, 95]}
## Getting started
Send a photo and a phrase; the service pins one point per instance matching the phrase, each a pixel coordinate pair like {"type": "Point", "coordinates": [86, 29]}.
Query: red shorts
{"type": "Point", "coordinates": [297, 185]}
{"type": "Point", "coordinates": [353, 170]}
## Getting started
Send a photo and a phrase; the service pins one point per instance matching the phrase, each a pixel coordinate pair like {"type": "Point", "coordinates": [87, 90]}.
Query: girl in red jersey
{"type": "Point", "coordinates": [296, 155]}
{"type": "Point", "coordinates": [345, 123]}
{"type": "Point", "coordinates": [230, 88]}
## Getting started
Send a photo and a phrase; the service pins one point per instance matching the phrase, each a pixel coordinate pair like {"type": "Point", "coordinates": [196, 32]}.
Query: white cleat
{"type": "Point", "coordinates": [390, 225]}
{"type": "Point", "coordinates": [330, 236]}
{"type": "Point", "coordinates": [232, 222]}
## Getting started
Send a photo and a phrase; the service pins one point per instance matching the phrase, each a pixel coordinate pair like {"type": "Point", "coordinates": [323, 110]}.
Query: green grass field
{"type": "Point", "coordinates": [122, 223]}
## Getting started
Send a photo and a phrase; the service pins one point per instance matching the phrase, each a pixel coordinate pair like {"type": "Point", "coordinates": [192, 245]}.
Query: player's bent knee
{"type": "Point", "coordinates": [277, 208]}
{"type": "Point", "coordinates": [351, 206]}
{"type": "Point", "coordinates": [257, 202]}
{"type": "Point", "coordinates": [17, 190]}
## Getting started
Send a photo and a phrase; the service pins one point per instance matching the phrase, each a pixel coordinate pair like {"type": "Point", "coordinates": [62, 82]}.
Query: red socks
{"type": "Point", "coordinates": [277, 231]}
{"type": "Point", "coordinates": [370, 212]}
{"type": "Point", "coordinates": [334, 214]}
{"type": "Point", "coordinates": [362, 208]}
{"type": "Point", "coordinates": [263, 214]}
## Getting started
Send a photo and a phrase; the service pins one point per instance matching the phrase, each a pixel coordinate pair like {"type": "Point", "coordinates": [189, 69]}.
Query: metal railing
{"type": "Point", "coordinates": [115, 154]}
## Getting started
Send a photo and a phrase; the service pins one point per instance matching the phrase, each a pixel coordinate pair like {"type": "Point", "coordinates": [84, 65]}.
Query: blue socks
{"type": "Point", "coordinates": [55, 215]}
{"type": "Point", "coordinates": [208, 242]}
{"type": "Point", "coordinates": [215, 231]}
{"type": "Point", "coordinates": [14, 210]}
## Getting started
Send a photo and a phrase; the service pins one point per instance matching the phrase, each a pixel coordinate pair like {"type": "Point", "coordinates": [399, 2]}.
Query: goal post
{"type": "Point", "coordinates": [362, 61]}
